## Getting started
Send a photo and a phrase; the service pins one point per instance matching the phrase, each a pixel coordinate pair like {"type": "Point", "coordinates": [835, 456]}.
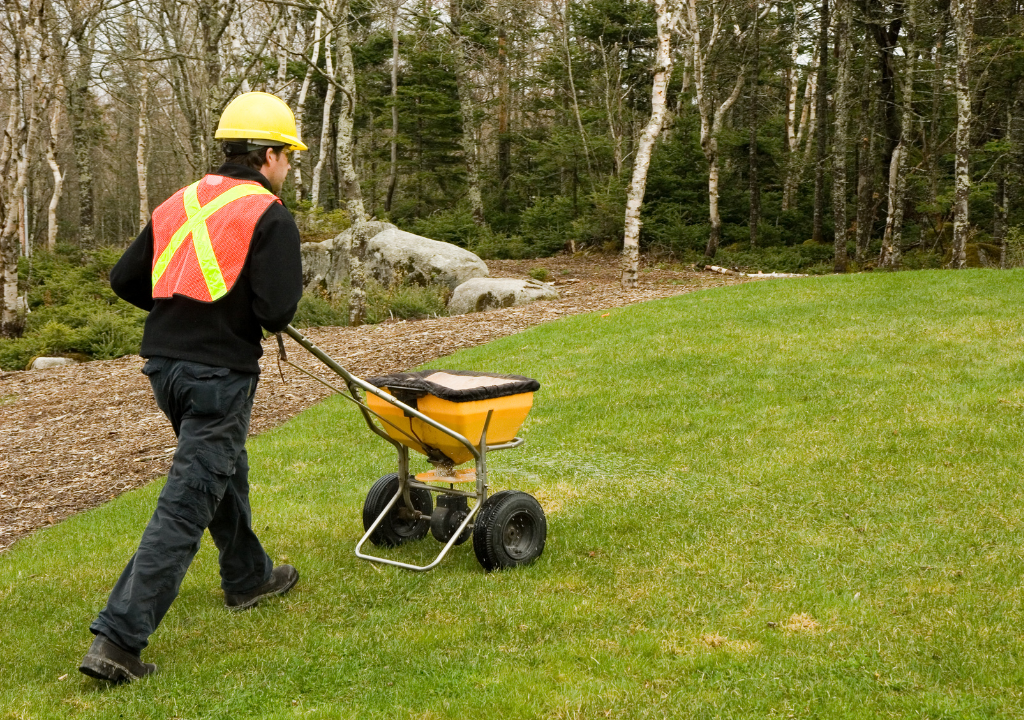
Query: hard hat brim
{"type": "Point", "coordinates": [290, 141]}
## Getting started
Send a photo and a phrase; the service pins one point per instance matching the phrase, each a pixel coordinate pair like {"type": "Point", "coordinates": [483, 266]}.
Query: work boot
{"type": "Point", "coordinates": [110, 662]}
{"type": "Point", "coordinates": [281, 581]}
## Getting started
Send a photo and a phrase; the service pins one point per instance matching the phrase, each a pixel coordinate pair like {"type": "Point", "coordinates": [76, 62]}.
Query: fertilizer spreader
{"type": "Point", "coordinates": [450, 417]}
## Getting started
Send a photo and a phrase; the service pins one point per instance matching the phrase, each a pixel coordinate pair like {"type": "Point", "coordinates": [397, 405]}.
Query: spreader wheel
{"type": "Point", "coordinates": [510, 531]}
{"type": "Point", "coordinates": [401, 525]}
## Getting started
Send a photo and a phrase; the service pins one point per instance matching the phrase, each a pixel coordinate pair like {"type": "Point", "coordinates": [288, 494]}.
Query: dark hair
{"type": "Point", "coordinates": [253, 159]}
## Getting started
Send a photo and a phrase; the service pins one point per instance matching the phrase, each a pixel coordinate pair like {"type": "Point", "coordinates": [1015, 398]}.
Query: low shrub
{"type": "Point", "coordinates": [547, 225]}
{"type": "Point", "coordinates": [72, 310]}
{"type": "Point", "coordinates": [405, 301]}
{"type": "Point", "coordinates": [400, 301]}
{"type": "Point", "coordinates": [455, 226]}
{"type": "Point", "coordinates": [317, 309]}
{"type": "Point", "coordinates": [317, 225]}
{"type": "Point", "coordinates": [501, 247]}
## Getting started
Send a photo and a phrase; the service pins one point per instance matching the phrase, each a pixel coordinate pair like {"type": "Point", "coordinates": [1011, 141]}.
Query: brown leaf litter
{"type": "Point", "coordinates": [74, 437]}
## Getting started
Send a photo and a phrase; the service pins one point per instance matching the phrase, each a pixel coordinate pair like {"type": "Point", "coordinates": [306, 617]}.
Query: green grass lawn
{"type": "Point", "coordinates": [794, 498]}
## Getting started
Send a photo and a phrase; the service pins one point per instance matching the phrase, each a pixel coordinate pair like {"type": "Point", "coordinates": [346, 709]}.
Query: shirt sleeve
{"type": "Point", "coordinates": [131, 278]}
{"type": "Point", "coordinates": [275, 268]}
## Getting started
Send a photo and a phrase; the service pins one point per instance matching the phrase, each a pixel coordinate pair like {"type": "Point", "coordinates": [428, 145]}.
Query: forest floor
{"type": "Point", "coordinates": [74, 437]}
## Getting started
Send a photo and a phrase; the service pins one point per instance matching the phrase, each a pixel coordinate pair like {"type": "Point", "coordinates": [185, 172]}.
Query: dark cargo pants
{"type": "Point", "coordinates": [207, 487]}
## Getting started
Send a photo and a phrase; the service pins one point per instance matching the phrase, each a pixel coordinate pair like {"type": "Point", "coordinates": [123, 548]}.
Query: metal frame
{"type": "Point", "coordinates": [405, 481]}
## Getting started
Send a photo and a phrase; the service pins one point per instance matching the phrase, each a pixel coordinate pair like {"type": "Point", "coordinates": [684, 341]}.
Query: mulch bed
{"type": "Point", "coordinates": [74, 437]}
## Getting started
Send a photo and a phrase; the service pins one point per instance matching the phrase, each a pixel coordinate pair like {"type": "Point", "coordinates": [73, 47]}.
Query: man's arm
{"type": "Point", "coordinates": [132, 277]}
{"type": "Point", "coordinates": [275, 268]}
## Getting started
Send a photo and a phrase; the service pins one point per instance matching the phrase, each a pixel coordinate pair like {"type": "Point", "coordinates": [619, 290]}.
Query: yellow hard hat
{"type": "Point", "coordinates": [261, 118]}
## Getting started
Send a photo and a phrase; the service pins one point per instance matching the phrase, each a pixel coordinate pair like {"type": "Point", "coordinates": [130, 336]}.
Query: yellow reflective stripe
{"type": "Point", "coordinates": [208, 261]}
{"type": "Point", "coordinates": [191, 200]}
{"type": "Point", "coordinates": [196, 226]}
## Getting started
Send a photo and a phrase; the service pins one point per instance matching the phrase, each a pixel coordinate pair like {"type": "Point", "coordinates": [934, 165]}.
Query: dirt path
{"type": "Point", "coordinates": [73, 438]}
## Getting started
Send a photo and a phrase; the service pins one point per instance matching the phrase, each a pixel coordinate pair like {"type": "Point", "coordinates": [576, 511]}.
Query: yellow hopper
{"type": "Point", "coordinates": [461, 401]}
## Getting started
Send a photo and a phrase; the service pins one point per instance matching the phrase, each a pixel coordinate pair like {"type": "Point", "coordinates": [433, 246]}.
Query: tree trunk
{"type": "Point", "coordinates": [610, 87]}
{"type": "Point", "coordinates": [710, 129]}
{"type": "Point", "coordinates": [58, 181]}
{"type": "Point", "coordinates": [638, 183]}
{"type": "Point", "coordinates": [22, 130]}
{"type": "Point", "coordinates": [572, 85]}
{"type": "Point", "coordinates": [467, 109]}
{"type": "Point", "coordinates": [141, 152]}
{"type": "Point", "coordinates": [504, 139]}
{"type": "Point", "coordinates": [82, 115]}
{"type": "Point", "coordinates": [806, 126]}
{"type": "Point", "coordinates": [300, 108]}
{"type": "Point", "coordinates": [325, 127]}
{"type": "Point", "coordinates": [886, 36]}
{"type": "Point", "coordinates": [393, 173]}
{"type": "Point", "coordinates": [963, 18]}
{"type": "Point", "coordinates": [348, 180]}
{"type": "Point", "coordinates": [891, 254]}
{"type": "Point", "coordinates": [822, 108]}
{"type": "Point", "coordinates": [839, 146]}
{"type": "Point", "coordinates": [754, 181]}
{"type": "Point", "coordinates": [866, 170]}
{"type": "Point", "coordinates": [715, 238]}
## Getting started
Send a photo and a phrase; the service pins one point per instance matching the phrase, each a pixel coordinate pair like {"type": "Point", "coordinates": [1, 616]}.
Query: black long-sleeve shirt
{"type": "Point", "coordinates": [224, 333]}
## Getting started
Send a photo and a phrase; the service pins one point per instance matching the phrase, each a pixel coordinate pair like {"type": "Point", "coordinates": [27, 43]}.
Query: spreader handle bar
{"type": "Point", "coordinates": [351, 380]}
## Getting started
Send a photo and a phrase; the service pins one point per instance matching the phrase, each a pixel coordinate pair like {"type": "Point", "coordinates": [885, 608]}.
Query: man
{"type": "Point", "coordinates": [219, 260]}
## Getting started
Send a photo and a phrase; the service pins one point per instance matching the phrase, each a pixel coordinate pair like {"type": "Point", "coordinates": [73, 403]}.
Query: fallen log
{"type": "Point", "coordinates": [757, 276]}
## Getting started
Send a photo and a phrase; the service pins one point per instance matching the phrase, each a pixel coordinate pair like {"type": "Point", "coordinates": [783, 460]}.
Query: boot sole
{"type": "Point", "coordinates": [256, 600]}
{"type": "Point", "coordinates": [104, 669]}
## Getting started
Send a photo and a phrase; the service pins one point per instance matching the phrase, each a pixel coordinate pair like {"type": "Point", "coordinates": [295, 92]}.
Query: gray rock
{"type": "Point", "coordinates": [325, 264]}
{"type": "Point", "coordinates": [398, 255]}
{"type": "Point", "coordinates": [388, 254]}
{"type": "Point", "coordinates": [481, 294]}
{"type": "Point", "coordinates": [45, 363]}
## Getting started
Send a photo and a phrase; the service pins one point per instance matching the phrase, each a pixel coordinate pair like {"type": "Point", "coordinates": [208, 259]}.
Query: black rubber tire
{"type": "Point", "coordinates": [395, 530]}
{"type": "Point", "coordinates": [444, 523]}
{"type": "Point", "coordinates": [510, 531]}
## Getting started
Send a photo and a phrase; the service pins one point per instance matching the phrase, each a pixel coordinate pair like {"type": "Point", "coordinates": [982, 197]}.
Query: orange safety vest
{"type": "Point", "coordinates": [201, 236]}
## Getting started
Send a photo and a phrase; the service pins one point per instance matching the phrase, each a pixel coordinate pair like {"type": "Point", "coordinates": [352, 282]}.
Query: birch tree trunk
{"type": "Point", "coordinates": [58, 181]}
{"type": "Point", "coordinates": [300, 107]}
{"type": "Point", "coordinates": [866, 170]}
{"type": "Point", "coordinates": [325, 127]}
{"type": "Point", "coordinates": [348, 180]}
{"type": "Point", "coordinates": [804, 131]}
{"type": "Point", "coordinates": [711, 118]}
{"type": "Point", "coordinates": [22, 129]}
{"type": "Point", "coordinates": [611, 88]}
{"type": "Point", "coordinates": [468, 111]}
{"type": "Point", "coordinates": [393, 170]}
{"type": "Point", "coordinates": [754, 181]}
{"type": "Point", "coordinates": [891, 253]}
{"type": "Point", "coordinates": [504, 102]}
{"type": "Point", "coordinates": [141, 155]}
{"type": "Point", "coordinates": [842, 110]}
{"type": "Point", "coordinates": [642, 162]}
{"type": "Point", "coordinates": [822, 112]}
{"type": "Point", "coordinates": [572, 85]}
{"type": "Point", "coordinates": [963, 19]}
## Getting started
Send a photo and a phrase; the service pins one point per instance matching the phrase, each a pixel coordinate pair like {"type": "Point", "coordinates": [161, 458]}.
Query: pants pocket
{"type": "Point", "coordinates": [207, 389]}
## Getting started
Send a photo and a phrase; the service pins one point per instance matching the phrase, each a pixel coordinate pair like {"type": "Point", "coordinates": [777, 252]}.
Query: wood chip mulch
{"type": "Point", "coordinates": [72, 438]}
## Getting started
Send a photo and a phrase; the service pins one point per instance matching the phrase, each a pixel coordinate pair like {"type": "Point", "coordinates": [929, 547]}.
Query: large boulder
{"type": "Point", "coordinates": [481, 294]}
{"type": "Point", "coordinates": [398, 255]}
{"type": "Point", "coordinates": [325, 264]}
{"type": "Point", "coordinates": [388, 255]}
